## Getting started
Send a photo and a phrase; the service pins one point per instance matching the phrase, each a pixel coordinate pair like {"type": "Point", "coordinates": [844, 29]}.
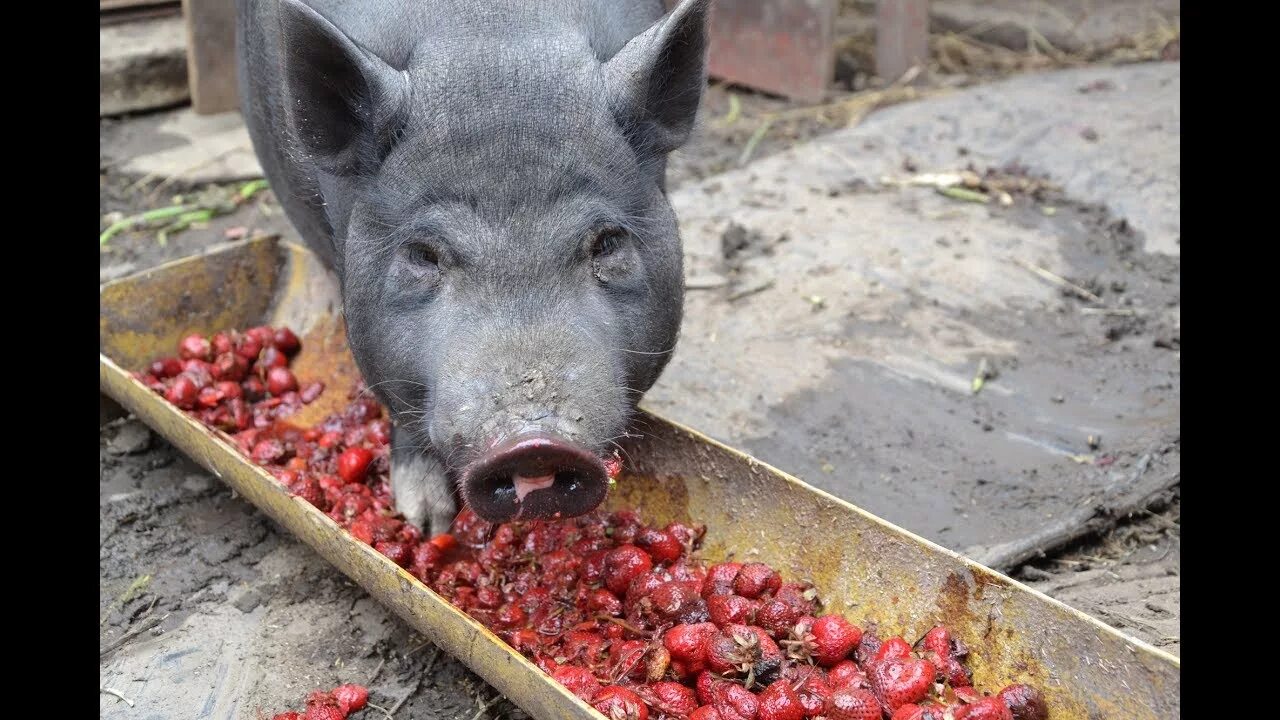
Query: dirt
{"type": "Point", "coordinates": [177, 546]}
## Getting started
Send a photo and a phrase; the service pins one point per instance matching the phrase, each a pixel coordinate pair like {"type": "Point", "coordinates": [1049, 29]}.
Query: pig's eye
{"type": "Point", "coordinates": [607, 242]}
{"type": "Point", "coordinates": [422, 255]}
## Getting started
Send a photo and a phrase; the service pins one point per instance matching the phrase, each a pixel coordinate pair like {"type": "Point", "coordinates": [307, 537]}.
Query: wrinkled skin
{"type": "Point", "coordinates": [487, 182]}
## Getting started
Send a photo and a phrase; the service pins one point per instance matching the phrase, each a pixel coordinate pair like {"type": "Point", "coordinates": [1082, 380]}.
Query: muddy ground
{"type": "Point", "coordinates": [205, 603]}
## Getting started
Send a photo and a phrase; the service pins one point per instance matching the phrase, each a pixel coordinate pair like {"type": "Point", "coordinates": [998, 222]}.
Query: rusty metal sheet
{"type": "Point", "coordinates": [865, 567]}
{"type": "Point", "coordinates": [785, 47]}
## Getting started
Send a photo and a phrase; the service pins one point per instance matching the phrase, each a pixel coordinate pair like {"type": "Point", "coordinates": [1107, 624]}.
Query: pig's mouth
{"type": "Point", "coordinates": [535, 476]}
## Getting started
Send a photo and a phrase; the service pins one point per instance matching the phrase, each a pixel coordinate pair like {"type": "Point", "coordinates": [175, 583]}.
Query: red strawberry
{"type": "Point", "coordinates": [673, 698]}
{"type": "Point", "coordinates": [731, 609]}
{"type": "Point", "coordinates": [707, 686]}
{"type": "Point", "coordinates": [619, 703]}
{"type": "Point", "coordinates": [351, 697]}
{"type": "Point", "coordinates": [849, 703]}
{"type": "Point", "coordinates": [1025, 702]}
{"type": "Point", "coordinates": [755, 579]}
{"type": "Point", "coordinates": [183, 392]}
{"type": "Point", "coordinates": [166, 367]}
{"type": "Point", "coordinates": [777, 617]}
{"type": "Point", "coordinates": [814, 692]}
{"type": "Point", "coordinates": [846, 673]}
{"type": "Point", "coordinates": [735, 702]}
{"type": "Point", "coordinates": [688, 644]}
{"type": "Point", "coordinates": [895, 648]}
{"type": "Point", "coordinates": [662, 546]}
{"type": "Point", "coordinates": [910, 711]}
{"type": "Point", "coordinates": [280, 380]}
{"type": "Point", "coordinates": [898, 682]}
{"type": "Point", "coordinates": [678, 601]}
{"type": "Point", "coordinates": [966, 694]}
{"type": "Point", "coordinates": [992, 708]}
{"type": "Point", "coordinates": [578, 680]}
{"type": "Point", "coordinates": [945, 655]}
{"type": "Point", "coordinates": [720, 579]}
{"type": "Point", "coordinates": [744, 650]}
{"type": "Point", "coordinates": [290, 715]}
{"type": "Point", "coordinates": [834, 639]}
{"type": "Point", "coordinates": [195, 347]}
{"type": "Point", "coordinates": [285, 341]}
{"type": "Point", "coordinates": [867, 649]}
{"type": "Point", "coordinates": [780, 702]}
{"type": "Point", "coordinates": [706, 712]}
{"type": "Point", "coordinates": [601, 600]}
{"type": "Point", "coordinates": [324, 712]}
{"type": "Point", "coordinates": [353, 463]}
{"type": "Point", "coordinates": [624, 564]}
{"type": "Point", "coordinates": [399, 553]}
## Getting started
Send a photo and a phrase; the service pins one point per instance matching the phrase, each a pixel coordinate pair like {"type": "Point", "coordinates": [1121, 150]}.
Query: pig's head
{"type": "Point", "coordinates": [510, 263]}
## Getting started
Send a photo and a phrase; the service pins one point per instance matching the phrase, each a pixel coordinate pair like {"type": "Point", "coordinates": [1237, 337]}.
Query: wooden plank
{"type": "Point", "coordinates": [784, 47]}
{"type": "Point", "coordinates": [109, 5]}
{"type": "Point", "coordinates": [211, 55]}
{"type": "Point", "coordinates": [902, 37]}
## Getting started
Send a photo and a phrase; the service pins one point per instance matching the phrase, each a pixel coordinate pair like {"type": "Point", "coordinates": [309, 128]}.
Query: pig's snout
{"type": "Point", "coordinates": [534, 476]}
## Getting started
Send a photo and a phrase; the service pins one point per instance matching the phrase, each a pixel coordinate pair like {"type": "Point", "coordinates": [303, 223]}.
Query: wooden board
{"type": "Point", "coordinates": [211, 55]}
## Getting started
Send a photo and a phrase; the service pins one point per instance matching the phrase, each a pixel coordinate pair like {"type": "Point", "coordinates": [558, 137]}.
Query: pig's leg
{"type": "Point", "coordinates": [419, 486]}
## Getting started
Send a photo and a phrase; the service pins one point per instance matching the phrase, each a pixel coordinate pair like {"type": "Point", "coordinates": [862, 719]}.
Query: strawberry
{"type": "Point", "coordinates": [657, 661]}
{"type": "Point", "coordinates": [731, 609]}
{"type": "Point", "coordinates": [601, 600]}
{"type": "Point", "coordinates": [707, 685]}
{"type": "Point", "coordinates": [992, 708]}
{"type": "Point", "coordinates": [351, 697]}
{"type": "Point", "coordinates": [688, 644]}
{"type": "Point", "coordinates": [353, 463]}
{"type": "Point", "coordinates": [849, 703]}
{"type": "Point", "coordinates": [867, 648]}
{"type": "Point", "coordinates": [285, 341]}
{"type": "Point", "coordinates": [280, 380]}
{"type": "Point", "coordinates": [624, 564]}
{"type": "Point", "coordinates": [735, 702]}
{"type": "Point", "coordinates": [776, 616]}
{"type": "Point", "coordinates": [755, 579]}
{"type": "Point", "coordinates": [720, 579]}
{"type": "Point", "coordinates": [911, 711]}
{"type": "Point", "coordinates": [744, 650]}
{"type": "Point", "coordinates": [897, 682]}
{"type": "Point", "coordinates": [195, 347]}
{"type": "Point", "coordinates": [183, 392]}
{"type": "Point", "coordinates": [846, 673]}
{"type": "Point", "coordinates": [705, 712]}
{"type": "Point", "coordinates": [894, 648]}
{"type": "Point", "coordinates": [678, 601]}
{"type": "Point", "coordinates": [672, 698]}
{"type": "Point", "coordinates": [578, 680]}
{"type": "Point", "coordinates": [1025, 702]}
{"type": "Point", "coordinates": [619, 703]}
{"type": "Point", "coordinates": [662, 546]}
{"type": "Point", "coordinates": [945, 655]}
{"type": "Point", "coordinates": [780, 702]}
{"type": "Point", "coordinates": [290, 715]}
{"type": "Point", "coordinates": [834, 639]}
{"type": "Point", "coordinates": [815, 693]}
{"type": "Point", "coordinates": [399, 553]}
{"type": "Point", "coordinates": [324, 712]}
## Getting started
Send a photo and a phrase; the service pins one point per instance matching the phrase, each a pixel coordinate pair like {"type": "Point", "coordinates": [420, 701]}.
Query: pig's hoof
{"type": "Point", "coordinates": [422, 493]}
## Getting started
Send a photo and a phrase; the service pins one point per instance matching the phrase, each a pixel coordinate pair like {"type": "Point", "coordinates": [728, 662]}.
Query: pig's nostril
{"type": "Point", "coordinates": [535, 476]}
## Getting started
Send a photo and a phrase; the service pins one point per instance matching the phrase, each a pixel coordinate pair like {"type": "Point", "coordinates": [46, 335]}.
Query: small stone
{"type": "Point", "coordinates": [132, 437]}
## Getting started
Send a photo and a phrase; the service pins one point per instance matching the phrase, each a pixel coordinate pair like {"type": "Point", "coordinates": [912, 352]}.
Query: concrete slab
{"type": "Point", "coordinates": [181, 145]}
{"type": "Point", "coordinates": [852, 366]}
{"type": "Point", "coordinates": [142, 66]}
{"type": "Point", "coordinates": [1110, 136]}
{"type": "Point", "coordinates": [1075, 26]}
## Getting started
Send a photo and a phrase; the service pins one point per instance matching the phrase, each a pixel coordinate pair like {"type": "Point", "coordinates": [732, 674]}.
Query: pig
{"type": "Point", "coordinates": [487, 182]}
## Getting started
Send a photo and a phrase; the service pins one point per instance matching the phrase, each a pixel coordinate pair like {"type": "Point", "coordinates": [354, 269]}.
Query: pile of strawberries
{"type": "Point", "coordinates": [335, 704]}
{"type": "Point", "coordinates": [623, 614]}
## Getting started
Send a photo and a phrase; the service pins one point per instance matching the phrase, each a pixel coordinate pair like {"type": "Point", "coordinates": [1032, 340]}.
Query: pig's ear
{"type": "Point", "coordinates": [341, 101]}
{"type": "Point", "coordinates": [655, 81]}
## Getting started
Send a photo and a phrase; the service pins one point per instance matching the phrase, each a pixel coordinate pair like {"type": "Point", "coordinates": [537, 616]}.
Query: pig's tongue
{"type": "Point", "coordinates": [525, 485]}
